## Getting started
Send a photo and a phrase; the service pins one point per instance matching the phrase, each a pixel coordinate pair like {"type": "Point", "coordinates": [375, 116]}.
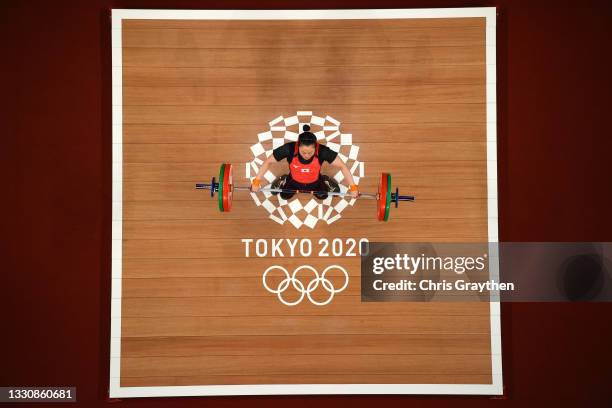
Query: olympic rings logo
{"type": "Point", "coordinates": [290, 279]}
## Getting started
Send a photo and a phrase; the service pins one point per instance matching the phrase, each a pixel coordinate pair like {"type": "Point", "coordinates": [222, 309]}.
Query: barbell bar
{"type": "Point", "coordinates": [225, 189]}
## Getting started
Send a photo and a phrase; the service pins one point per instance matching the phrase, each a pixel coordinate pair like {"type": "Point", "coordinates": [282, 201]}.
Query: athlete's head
{"type": "Point", "coordinates": [307, 143]}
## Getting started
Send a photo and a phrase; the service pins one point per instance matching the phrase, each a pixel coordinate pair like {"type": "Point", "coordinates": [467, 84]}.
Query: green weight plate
{"type": "Point", "coordinates": [388, 199]}
{"type": "Point", "coordinates": [220, 193]}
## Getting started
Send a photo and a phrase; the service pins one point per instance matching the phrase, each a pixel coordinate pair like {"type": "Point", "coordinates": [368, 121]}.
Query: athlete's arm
{"type": "Point", "coordinates": [256, 182]}
{"type": "Point", "coordinates": [338, 163]}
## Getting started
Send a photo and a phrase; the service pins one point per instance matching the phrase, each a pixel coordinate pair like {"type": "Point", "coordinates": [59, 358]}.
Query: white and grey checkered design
{"type": "Point", "coordinates": [307, 210]}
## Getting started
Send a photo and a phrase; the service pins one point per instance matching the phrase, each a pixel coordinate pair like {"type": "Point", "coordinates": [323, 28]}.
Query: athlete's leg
{"type": "Point", "coordinates": [290, 184]}
{"type": "Point", "coordinates": [320, 186]}
{"type": "Point", "coordinates": [330, 183]}
{"type": "Point", "coordinates": [279, 182]}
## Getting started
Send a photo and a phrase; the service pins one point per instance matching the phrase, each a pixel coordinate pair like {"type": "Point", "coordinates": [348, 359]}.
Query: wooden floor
{"type": "Point", "coordinates": [197, 93]}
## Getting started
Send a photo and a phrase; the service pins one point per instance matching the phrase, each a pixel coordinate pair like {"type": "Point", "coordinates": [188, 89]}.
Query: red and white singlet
{"type": "Point", "coordinates": [305, 173]}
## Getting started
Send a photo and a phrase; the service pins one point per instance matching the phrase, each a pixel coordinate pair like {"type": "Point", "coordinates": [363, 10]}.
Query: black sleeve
{"type": "Point", "coordinates": [327, 154]}
{"type": "Point", "coordinates": [284, 152]}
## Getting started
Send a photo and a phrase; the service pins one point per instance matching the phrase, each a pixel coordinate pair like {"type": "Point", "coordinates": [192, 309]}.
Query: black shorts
{"type": "Point", "coordinates": [291, 184]}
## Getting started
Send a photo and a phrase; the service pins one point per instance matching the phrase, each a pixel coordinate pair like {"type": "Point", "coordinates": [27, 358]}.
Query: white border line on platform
{"type": "Point", "coordinates": [117, 200]}
{"type": "Point", "coordinates": [492, 197]}
{"type": "Point", "coordinates": [348, 14]}
{"type": "Point", "coordinates": [115, 389]}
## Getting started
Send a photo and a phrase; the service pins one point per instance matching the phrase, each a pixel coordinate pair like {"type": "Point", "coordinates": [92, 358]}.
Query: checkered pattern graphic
{"type": "Point", "coordinates": [303, 210]}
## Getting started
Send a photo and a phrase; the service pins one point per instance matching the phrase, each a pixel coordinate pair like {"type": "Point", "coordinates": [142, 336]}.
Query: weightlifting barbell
{"type": "Point", "coordinates": [225, 189]}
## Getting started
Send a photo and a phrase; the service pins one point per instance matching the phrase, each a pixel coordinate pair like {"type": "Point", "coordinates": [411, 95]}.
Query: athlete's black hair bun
{"type": "Point", "coordinates": [306, 128]}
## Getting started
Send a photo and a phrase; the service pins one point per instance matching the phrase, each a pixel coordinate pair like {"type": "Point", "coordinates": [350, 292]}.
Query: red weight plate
{"type": "Point", "coordinates": [227, 188]}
